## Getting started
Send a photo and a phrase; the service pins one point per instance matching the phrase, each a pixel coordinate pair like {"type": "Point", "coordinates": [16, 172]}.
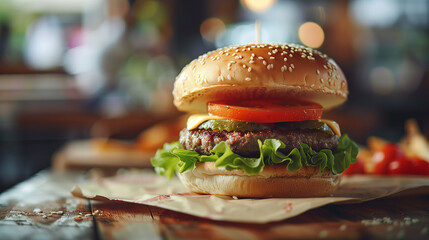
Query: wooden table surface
{"type": "Point", "coordinates": [43, 208]}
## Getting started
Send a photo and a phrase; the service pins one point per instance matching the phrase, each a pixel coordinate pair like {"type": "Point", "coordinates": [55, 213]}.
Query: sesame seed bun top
{"type": "Point", "coordinates": [256, 71]}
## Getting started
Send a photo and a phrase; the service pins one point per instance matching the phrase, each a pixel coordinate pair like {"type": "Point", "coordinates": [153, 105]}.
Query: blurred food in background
{"type": "Point", "coordinates": [112, 154]}
{"type": "Point", "coordinates": [82, 69]}
{"type": "Point", "coordinates": [410, 156]}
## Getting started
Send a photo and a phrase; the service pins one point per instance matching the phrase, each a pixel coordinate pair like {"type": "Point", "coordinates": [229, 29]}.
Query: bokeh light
{"type": "Point", "coordinates": [311, 34]}
{"type": "Point", "coordinates": [258, 5]}
{"type": "Point", "coordinates": [382, 81]}
{"type": "Point", "coordinates": [211, 28]}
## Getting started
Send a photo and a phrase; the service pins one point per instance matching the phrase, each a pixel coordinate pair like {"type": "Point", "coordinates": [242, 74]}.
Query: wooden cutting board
{"type": "Point", "coordinates": [30, 210]}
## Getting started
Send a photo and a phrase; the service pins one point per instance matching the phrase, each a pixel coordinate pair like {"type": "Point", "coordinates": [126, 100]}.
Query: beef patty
{"type": "Point", "coordinates": [246, 143]}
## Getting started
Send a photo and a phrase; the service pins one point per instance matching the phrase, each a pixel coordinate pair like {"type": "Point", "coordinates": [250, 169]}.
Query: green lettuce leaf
{"type": "Point", "coordinates": [174, 158]}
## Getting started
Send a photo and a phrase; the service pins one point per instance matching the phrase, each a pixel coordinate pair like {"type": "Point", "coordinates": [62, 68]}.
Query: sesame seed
{"type": "Point", "coordinates": [44, 216]}
{"type": "Point", "coordinates": [270, 47]}
{"type": "Point", "coordinates": [303, 56]}
{"type": "Point", "coordinates": [312, 85]}
{"type": "Point", "coordinates": [317, 71]}
{"type": "Point", "coordinates": [253, 55]}
{"type": "Point", "coordinates": [227, 54]}
{"type": "Point", "coordinates": [232, 61]}
{"type": "Point", "coordinates": [272, 58]}
{"type": "Point", "coordinates": [229, 77]}
{"type": "Point", "coordinates": [272, 66]}
{"type": "Point", "coordinates": [290, 69]}
{"type": "Point", "coordinates": [264, 62]}
{"type": "Point", "coordinates": [244, 66]}
{"type": "Point", "coordinates": [269, 53]}
{"type": "Point", "coordinates": [283, 68]}
{"type": "Point", "coordinates": [248, 48]}
{"type": "Point", "coordinates": [251, 61]}
{"type": "Point", "coordinates": [293, 66]}
{"type": "Point", "coordinates": [290, 55]}
{"type": "Point", "coordinates": [249, 69]}
{"type": "Point", "coordinates": [247, 79]}
{"type": "Point", "coordinates": [260, 57]}
{"type": "Point", "coordinates": [285, 59]}
{"type": "Point", "coordinates": [325, 67]}
{"type": "Point", "coordinates": [235, 197]}
{"type": "Point", "coordinates": [234, 54]}
{"type": "Point", "coordinates": [236, 50]}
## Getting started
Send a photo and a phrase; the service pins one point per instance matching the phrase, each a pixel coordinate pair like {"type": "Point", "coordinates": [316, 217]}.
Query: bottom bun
{"type": "Point", "coordinates": [274, 181]}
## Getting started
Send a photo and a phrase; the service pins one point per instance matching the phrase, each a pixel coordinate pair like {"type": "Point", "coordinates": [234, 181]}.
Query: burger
{"type": "Point", "coordinates": [255, 128]}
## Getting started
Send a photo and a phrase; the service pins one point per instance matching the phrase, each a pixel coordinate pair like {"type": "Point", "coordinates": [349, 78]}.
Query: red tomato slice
{"type": "Point", "coordinates": [267, 110]}
{"type": "Point", "coordinates": [421, 167]}
{"type": "Point", "coordinates": [383, 157]}
{"type": "Point", "coordinates": [357, 168]}
{"type": "Point", "coordinates": [401, 166]}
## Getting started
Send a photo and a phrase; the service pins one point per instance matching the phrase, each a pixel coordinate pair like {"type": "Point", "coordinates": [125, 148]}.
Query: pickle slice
{"type": "Point", "coordinates": [232, 125]}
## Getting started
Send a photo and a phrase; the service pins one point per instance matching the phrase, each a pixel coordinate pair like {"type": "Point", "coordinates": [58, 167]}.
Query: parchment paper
{"type": "Point", "coordinates": [145, 187]}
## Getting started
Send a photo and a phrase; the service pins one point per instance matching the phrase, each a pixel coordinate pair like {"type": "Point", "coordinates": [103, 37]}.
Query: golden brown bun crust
{"type": "Point", "coordinates": [274, 181]}
{"type": "Point", "coordinates": [260, 71]}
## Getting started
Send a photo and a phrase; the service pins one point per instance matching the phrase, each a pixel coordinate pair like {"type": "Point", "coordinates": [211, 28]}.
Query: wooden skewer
{"type": "Point", "coordinates": [258, 31]}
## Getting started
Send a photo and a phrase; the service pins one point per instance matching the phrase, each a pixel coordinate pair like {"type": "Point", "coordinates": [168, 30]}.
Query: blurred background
{"type": "Point", "coordinates": [80, 69]}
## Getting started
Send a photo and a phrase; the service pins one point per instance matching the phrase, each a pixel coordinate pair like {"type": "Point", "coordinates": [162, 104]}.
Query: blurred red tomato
{"type": "Point", "coordinates": [382, 158]}
{"type": "Point", "coordinates": [421, 167]}
{"type": "Point", "coordinates": [357, 168]}
{"type": "Point", "coordinates": [401, 166]}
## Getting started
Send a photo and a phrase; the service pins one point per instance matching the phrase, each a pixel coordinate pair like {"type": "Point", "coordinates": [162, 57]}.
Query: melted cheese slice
{"type": "Point", "coordinates": [195, 120]}
{"type": "Point", "coordinates": [333, 125]}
